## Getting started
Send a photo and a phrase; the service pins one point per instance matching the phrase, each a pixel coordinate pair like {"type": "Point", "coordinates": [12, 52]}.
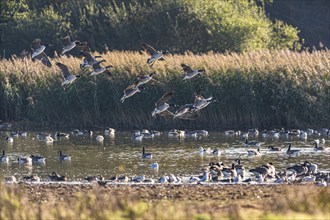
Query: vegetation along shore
{"type": "Point", "coordinates": [251, 89]}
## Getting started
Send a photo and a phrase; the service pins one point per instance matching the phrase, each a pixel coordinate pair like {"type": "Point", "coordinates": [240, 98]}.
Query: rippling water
{"type": "Point", "coordinates": [121, 155]}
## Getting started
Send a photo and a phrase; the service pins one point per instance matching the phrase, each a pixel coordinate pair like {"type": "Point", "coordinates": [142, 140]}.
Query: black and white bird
{"type": "Point", "coordinates": [189, 72]}
{"type": "Point", "coordinates": [68, 45]}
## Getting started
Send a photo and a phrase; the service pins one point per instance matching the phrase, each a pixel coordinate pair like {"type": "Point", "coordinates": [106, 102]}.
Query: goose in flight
{"type": "Point", "coordinates": [155, 55]}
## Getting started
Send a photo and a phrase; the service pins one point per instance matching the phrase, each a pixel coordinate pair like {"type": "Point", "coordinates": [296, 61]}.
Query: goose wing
{"type": "Point", "coordinates": [130, 87]}
{"type": "Point", "coordinates": [108, 73]}
{"type": "Point", "coordinates": [149, 49]}
{"type": "Point", "coordinates": [165, 98]}
{"type": "Point", "coordinates": [189, 116]}
{"type": "Point", "coordinates": [97, 65]}
{"type": "Point", "coordinates": [44, 59]}
{"type": "Point", "coordinates": [186, 68]}
{"type": "Point", "coordinates": [64, 69]}
{"type": "Point", "coordinates": [166, 114]}
{"type": "Point", "coordinates": [155, 82]}
{"type": "Point", "coordinates": [36, 43]}
{"type": "Point", "coordinates": [66, 40]}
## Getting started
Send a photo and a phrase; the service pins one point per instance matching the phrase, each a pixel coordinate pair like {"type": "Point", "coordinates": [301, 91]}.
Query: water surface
{"type": "Point", "coordinates": [121, 155]}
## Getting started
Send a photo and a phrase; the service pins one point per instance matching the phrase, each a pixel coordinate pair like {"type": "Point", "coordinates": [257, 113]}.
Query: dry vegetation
{"type": "Point", "coordinates": [264, 89]}
{"type": "Point", "coordinates": [58, 201]}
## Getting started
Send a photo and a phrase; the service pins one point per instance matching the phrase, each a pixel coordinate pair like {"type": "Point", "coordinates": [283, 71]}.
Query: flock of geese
{"type": "Point", "coordinates": [186, 112]}
{"type": "Point", "coordinates": [214, 172]}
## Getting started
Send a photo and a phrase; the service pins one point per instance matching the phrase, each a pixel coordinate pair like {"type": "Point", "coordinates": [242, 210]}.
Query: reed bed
{"type": "Point", "coordinates": [252, 89]}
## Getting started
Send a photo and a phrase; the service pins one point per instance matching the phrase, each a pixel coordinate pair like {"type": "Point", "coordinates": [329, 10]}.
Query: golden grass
{"type": "Point", "coordinates": [294, 202]}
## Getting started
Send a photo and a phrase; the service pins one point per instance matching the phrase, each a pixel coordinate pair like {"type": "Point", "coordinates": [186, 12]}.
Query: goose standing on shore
{"type": "Point", "coordinates": [68, 45]}
{"type": "Point", "coordinates": [155, 55]}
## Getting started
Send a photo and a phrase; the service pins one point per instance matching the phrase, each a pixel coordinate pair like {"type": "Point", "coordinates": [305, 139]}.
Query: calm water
{"type": "Point", "coordinates": [121, 155]}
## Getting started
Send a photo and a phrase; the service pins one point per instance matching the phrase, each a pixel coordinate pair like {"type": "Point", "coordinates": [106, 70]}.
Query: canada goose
{"type": "Point", "coordinates": [99, 138]}
{"type": "Point", "coordinates": [110, 131]}
{"type": "Point", "coordinates": [37, 48]}
{"type": "Point", "coordinates": [240, 169]}
{"type": "Point", "coordinates": [33, 178]}
{"type": "Point", "coordinates": [146, 155]}
{"type": "Point", "coordinates": [290, 152]}
{"type": "Point", "coordinates": [61, 135]}
{"type": "Point", "coordinates": [139, 178]}
{"type": "Point", "coordinates": [203, 150]}
{"type": "Point", "coordinates": [262, 170]}
{"type": "Point", "coordinates": [10, 179]}
{"type": "Point", "coordinates": [232, 132]}
{"type": "Point", "coordinates": [317, 147]}
{"type": "Point", "coordinates": [38, 159]}
{"type": "Point", "coordinates": [38, 52]}
{"type": "Point", "coordinates": [253, 132]}
{"type": "Point", "coordinates": [130, 91]}
{"type": "Point", "coordinates": [216, 152]}
{"type": "Point", "coordinates": [163, 179]}
{"type": "Point", "coordinates": [25, 160]}
{"type": "Point", "coordinates": [68, 77]}
{"type": "Point", "coordinates": [98, 69]}
{"type": "Point", "coordinates": [63, 156]}
{"type": "Point", "coordinates": [55, 177]}
{"type": "Point", "coordinates": [143, 79]}
{"type": "Point", "coordinates": [4, 158]}
{"type": "Point", "coordinates": [200, 102]}
{"type": "Point", "coordinates": [68, 45]}
{"type": "Point", "coordinates": [229, 171]}
{"type": "Point", "coordinates": [303, 135]}
{"type": "Point", "coordinates": [189, 72]}
{"type": "Point", "coordinates": [9, 139]}
{"type": "Point", "coordinates": [271, 148]}
{"type": "Point", "coordinates": [155, 55]}
{"type": "Point", "coordinates": [154, 166]}
{"type": "Point", "coordinates": [176, 133]}
{"type": "Point", "coordinates": [321, 183]}
{"type": "Point", "coordinates": [248, 143]}
{"type": "Point", "coordinates": [311, 167]}
{"type": "Point", "coordinates": [162, 105]}
{"type": "Point", "coordinates": [254, 152]}
{"type": "Point", "coordinates": [89, 60]}
{"type": "Point", "coordinates": [299, 169]}
{"type": "Point", "coordinates": [98, 177]}
{"type": "Point", "coordinates": [184, 109]}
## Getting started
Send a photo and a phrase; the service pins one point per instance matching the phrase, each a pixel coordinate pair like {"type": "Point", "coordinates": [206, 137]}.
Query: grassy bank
{"type": "Point", "coordinates": [255, 89]}
{"type": "Point", "coordinates": [164, 202]}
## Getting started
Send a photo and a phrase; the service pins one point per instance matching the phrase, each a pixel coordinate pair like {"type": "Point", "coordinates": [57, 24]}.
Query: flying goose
{"type": "Point", "coordinates": [37, 48]}
{"type": "Point", "coordinates": [39, 54]}
{"type": "Point", "coordinates": [200, 102]}
{"type": "Point", "coordinates": [68, 45]}
{"type": "Point", "coordinates": [161, 104]}
{"type": "Point", "coordinates": [142, 79]}
{"type": "Point", "coordinates": [98, 69]}
{"type": "Point", "coordinates": [68, 77]}
{"type": "Point", "coordinates": [131, 90]}
{"type": "Point", "coordinates": [184, 109]}
{"type": "Point", "coordinates": [89, 60]}
{"type": "Point", "coordinates": [189, 72]}
{"type": "Point", "coordinates": [155, 55]}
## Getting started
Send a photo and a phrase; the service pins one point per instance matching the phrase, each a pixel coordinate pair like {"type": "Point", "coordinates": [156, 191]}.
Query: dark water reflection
{"type": "Point", "coordinates": [121, 155]}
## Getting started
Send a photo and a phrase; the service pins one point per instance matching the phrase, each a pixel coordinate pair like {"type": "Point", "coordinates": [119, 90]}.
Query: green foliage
{"type": "Point", "coordinates": [195, 25]}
